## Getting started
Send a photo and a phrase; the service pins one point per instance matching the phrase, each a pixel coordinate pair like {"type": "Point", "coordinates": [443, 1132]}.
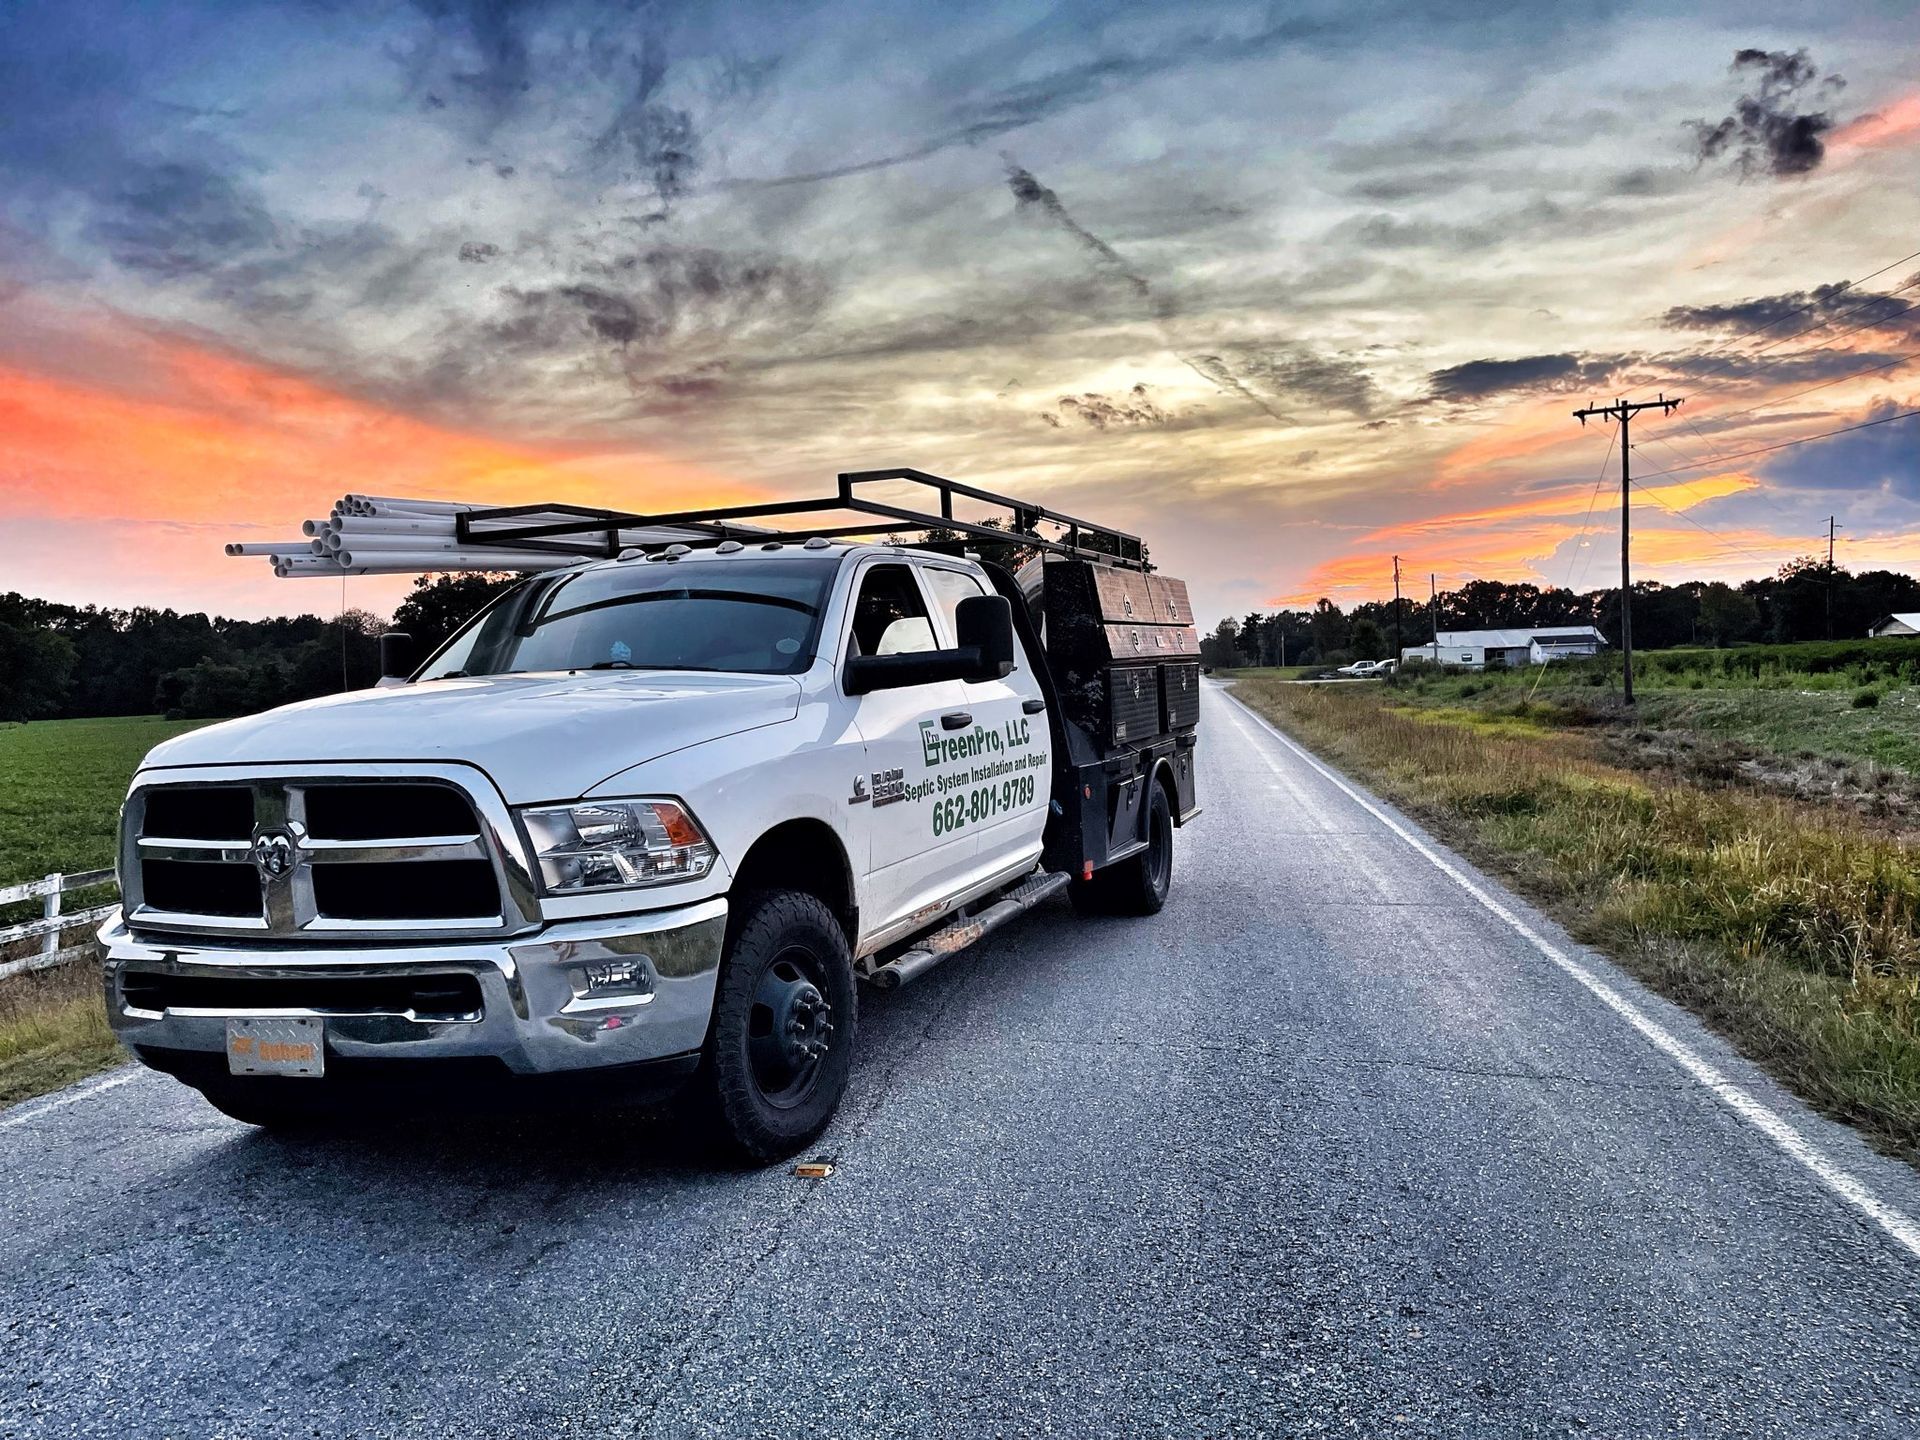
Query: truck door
{"type": "Point", "coordinates": [914, 859]}
{"type": "Point", "coordinates": [1007, 777]}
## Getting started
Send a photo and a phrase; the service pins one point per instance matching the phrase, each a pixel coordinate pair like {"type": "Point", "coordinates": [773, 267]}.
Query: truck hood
{"type": "Point", "coordinates": [540, 737]}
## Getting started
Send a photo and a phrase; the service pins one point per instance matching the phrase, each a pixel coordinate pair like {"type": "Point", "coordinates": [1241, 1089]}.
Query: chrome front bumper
{"type": "Point", "coordinates": [539, 1014]}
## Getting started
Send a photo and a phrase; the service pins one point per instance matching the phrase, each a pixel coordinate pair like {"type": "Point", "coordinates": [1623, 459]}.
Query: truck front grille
{"type": "Point", "coordinates": [313, 857]}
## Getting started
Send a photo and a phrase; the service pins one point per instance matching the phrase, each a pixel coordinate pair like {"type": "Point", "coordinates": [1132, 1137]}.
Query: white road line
{"type": "Point", "coordinates": [59, 1101]}
{"type": "Point", "coordinates": [1902, 1228]}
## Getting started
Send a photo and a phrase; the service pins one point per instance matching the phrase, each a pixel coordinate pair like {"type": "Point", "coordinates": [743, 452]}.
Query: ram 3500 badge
{"type": "Point", "coordinates": [650, 816]}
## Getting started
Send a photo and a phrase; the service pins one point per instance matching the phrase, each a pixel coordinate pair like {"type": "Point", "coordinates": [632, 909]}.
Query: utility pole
{"type": "Point", "coordinates": [1396, 610]}
{"type": "Point", "coordinates": [1433, 611]}
{"type": "Point", "coordinates": [1831, 527]}
{"type": "Point", "coordinates": [1624, 411]}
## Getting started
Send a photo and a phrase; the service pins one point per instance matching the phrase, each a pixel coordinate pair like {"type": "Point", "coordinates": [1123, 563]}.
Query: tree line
{"type": "Point", "coordinates": [64, 661]}
{"type": "Point", "coordinates": [1805, 600]}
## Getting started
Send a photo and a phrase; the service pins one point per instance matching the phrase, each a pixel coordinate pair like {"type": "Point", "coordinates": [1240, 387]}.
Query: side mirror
{"type": "Point", "coordinates": [396, 657]}
{"type": "Point", "coordinates": [985, 625]}
{"type": "Point", "coordinates": [985, 630]}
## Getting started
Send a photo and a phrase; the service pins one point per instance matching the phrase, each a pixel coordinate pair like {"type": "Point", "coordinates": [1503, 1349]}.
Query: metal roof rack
{"type": "Point", "coordinates": [512, 525]}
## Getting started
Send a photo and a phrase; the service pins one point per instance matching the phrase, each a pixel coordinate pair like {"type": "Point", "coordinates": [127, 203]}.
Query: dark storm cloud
{"type": "Point", "coordinates": [1100, 412]}
{"type": "Point", "coordinates": [1481, 379]}
{"type": "Point", "coordinates": [479, 47]}
{"type": "Point", "coordinates": [510, 56]}
{"type": "Point", "coordinates": [1031, 196]}
{"type": "Point", "coordinates": [688, 295]}
{"type": "Point", "coordinates": [177, 218]}
{"type": "Point", "coordinates": [648, 139]}
{"type": "Point", "coordinates": [1568, 373]}
{"type": "Point", "coordinates": [1216, 370]}
{"type": "Point", "coordinates": [1775, 128]}
{"type": "Point", "coordinates": [1781, 367]}
{"type": "Point", "coordinates": [1297, 374]}
{"type": "Point", "coordinates": [1796, 312]}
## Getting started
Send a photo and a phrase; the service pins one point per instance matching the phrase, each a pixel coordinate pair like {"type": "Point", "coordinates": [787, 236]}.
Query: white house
{"type": "Point", "coordinates": [1895, 625]}
{"type": "Point", "coordinates": [1477, 649]}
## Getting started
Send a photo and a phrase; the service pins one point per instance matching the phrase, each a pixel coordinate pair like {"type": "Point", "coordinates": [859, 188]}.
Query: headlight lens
{"type": "Point", "coordinates": [616, 845]}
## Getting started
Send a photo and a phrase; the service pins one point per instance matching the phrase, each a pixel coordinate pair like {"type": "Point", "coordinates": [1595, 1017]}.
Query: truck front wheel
{"type": "Point", "coordinates": [781, 1043]}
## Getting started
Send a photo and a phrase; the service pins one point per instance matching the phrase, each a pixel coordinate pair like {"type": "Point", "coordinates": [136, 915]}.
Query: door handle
{"type": "Point", "coordinates": [955, 720]}
{"type": "Point", "coordinates": [1033, 707]}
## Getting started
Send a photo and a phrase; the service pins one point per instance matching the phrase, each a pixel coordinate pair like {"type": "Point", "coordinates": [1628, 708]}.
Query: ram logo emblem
{"type": "Point", "coordinates": [275, 852]}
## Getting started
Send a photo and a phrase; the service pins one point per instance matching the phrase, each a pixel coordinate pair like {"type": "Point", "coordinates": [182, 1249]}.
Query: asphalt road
{"type": "Point", "coordinates": [1328, 1147]}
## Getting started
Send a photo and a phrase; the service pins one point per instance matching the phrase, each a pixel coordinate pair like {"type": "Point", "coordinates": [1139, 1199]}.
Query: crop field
{"type": "Point", "coordinates": [1750, 846]}
{"type": "Point", "coordinates": [60, 787]}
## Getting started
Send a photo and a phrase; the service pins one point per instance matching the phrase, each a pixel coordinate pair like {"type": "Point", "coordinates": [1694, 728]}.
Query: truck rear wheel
{"type": "Point", "coordinates": [780, 1048]}
{"type": "Point", "coordinates": [1139, 884]}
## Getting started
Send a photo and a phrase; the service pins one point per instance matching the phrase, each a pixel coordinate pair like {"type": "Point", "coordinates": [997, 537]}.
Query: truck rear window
{"type": "Point", "coordinates": [758, 615]}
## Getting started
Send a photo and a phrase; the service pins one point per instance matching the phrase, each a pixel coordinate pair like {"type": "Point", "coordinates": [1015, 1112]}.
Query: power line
{"type": "Point", "coordinates": [1681, 485]}
{"type": "Point", "coordinates": [1783, 445]}
{"type": "Point", "coordinates": [1853, 330]}
{"type": "Point", "coordinates": [1725, 544]}
{"type": "Point", "coordinates": [1587, 523]}
{"type": "Point", "coordinates": [1823, 385]}
{"type": "Point", "coordinates": [1809, 306]}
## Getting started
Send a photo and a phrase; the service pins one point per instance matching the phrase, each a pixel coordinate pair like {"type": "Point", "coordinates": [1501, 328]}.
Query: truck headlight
{"type": "Point", "coordinates": [616, 844]}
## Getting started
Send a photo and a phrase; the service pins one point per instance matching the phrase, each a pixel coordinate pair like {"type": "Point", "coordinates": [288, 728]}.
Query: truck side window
{"type": "Point", "coordinates": [889, 617]}
{"type": "Point", "coordinates": [949, 588]}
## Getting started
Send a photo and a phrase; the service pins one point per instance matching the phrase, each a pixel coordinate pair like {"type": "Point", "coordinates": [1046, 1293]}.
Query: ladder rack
{"type": "Point", "coordinates": [512, 526]}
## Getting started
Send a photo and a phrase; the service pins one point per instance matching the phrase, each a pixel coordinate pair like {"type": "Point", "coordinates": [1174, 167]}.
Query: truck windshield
{"type": "Point", "coordinates": [760, 615]}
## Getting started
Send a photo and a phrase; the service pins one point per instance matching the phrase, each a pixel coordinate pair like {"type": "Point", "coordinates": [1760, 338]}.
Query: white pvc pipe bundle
{"type": "Point", "coordinates": [388, 535]}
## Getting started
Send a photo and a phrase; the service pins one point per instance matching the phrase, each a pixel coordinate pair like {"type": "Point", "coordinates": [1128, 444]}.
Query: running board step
{"type": "Point", "coordinates": [929, 950]}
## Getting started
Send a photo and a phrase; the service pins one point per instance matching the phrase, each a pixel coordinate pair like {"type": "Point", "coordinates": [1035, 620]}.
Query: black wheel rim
{"type": "Point", "coordinates": [790, 1027]}
{"type": "Point", "coordinates": [1160, 851]}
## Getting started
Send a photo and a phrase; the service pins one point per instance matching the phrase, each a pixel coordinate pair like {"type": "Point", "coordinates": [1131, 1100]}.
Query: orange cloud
{"type": "Point", "coordinates": [1897, 122]}
{"type": "Point", "coordinates": [1663, 549]}
{"type": "Point", "coordinates": [1675, 495]}
{"type": "Point", "coordinates": [186, 435]}
{"type": "Point", "coordinates": [1526, 432]}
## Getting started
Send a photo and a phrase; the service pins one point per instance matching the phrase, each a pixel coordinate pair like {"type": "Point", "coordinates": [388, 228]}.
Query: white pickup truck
{"type": "Point", "coordinates": [649, 818]}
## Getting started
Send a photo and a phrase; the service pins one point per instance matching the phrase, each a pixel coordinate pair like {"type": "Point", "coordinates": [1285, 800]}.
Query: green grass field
{"type": "Point", "coordinates": [1848, 737]}
{"type": "Point", "coordinates": [61, 782]}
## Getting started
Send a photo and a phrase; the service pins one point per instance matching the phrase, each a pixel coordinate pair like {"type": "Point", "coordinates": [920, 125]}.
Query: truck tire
{"type": "Point", "coordinates": [780, 1047]}
{"type": "Point", "coordinates": [1139, 884]}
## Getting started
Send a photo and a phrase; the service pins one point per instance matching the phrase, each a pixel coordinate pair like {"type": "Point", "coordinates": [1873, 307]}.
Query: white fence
{"type": "Point", "coordinates": [53, 921]}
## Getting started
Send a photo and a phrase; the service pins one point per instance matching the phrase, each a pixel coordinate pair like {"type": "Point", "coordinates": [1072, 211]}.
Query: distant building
{"type": "Point", "coordinates": [1477, 649]}
{"type": "Point", "coordinates": [1895, 625]}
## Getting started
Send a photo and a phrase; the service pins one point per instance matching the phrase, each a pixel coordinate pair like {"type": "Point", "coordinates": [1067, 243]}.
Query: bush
{"type": "Point", "coordinates": [1865, 699]}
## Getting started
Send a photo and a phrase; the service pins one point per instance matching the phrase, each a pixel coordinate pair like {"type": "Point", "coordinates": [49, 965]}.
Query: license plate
{"type": "Point", "coordinates": [276, 1047]}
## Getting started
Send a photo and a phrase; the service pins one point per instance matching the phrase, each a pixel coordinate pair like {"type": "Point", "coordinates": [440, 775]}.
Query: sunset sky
{"type": "Point", "coordinates": [1285, 289]}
